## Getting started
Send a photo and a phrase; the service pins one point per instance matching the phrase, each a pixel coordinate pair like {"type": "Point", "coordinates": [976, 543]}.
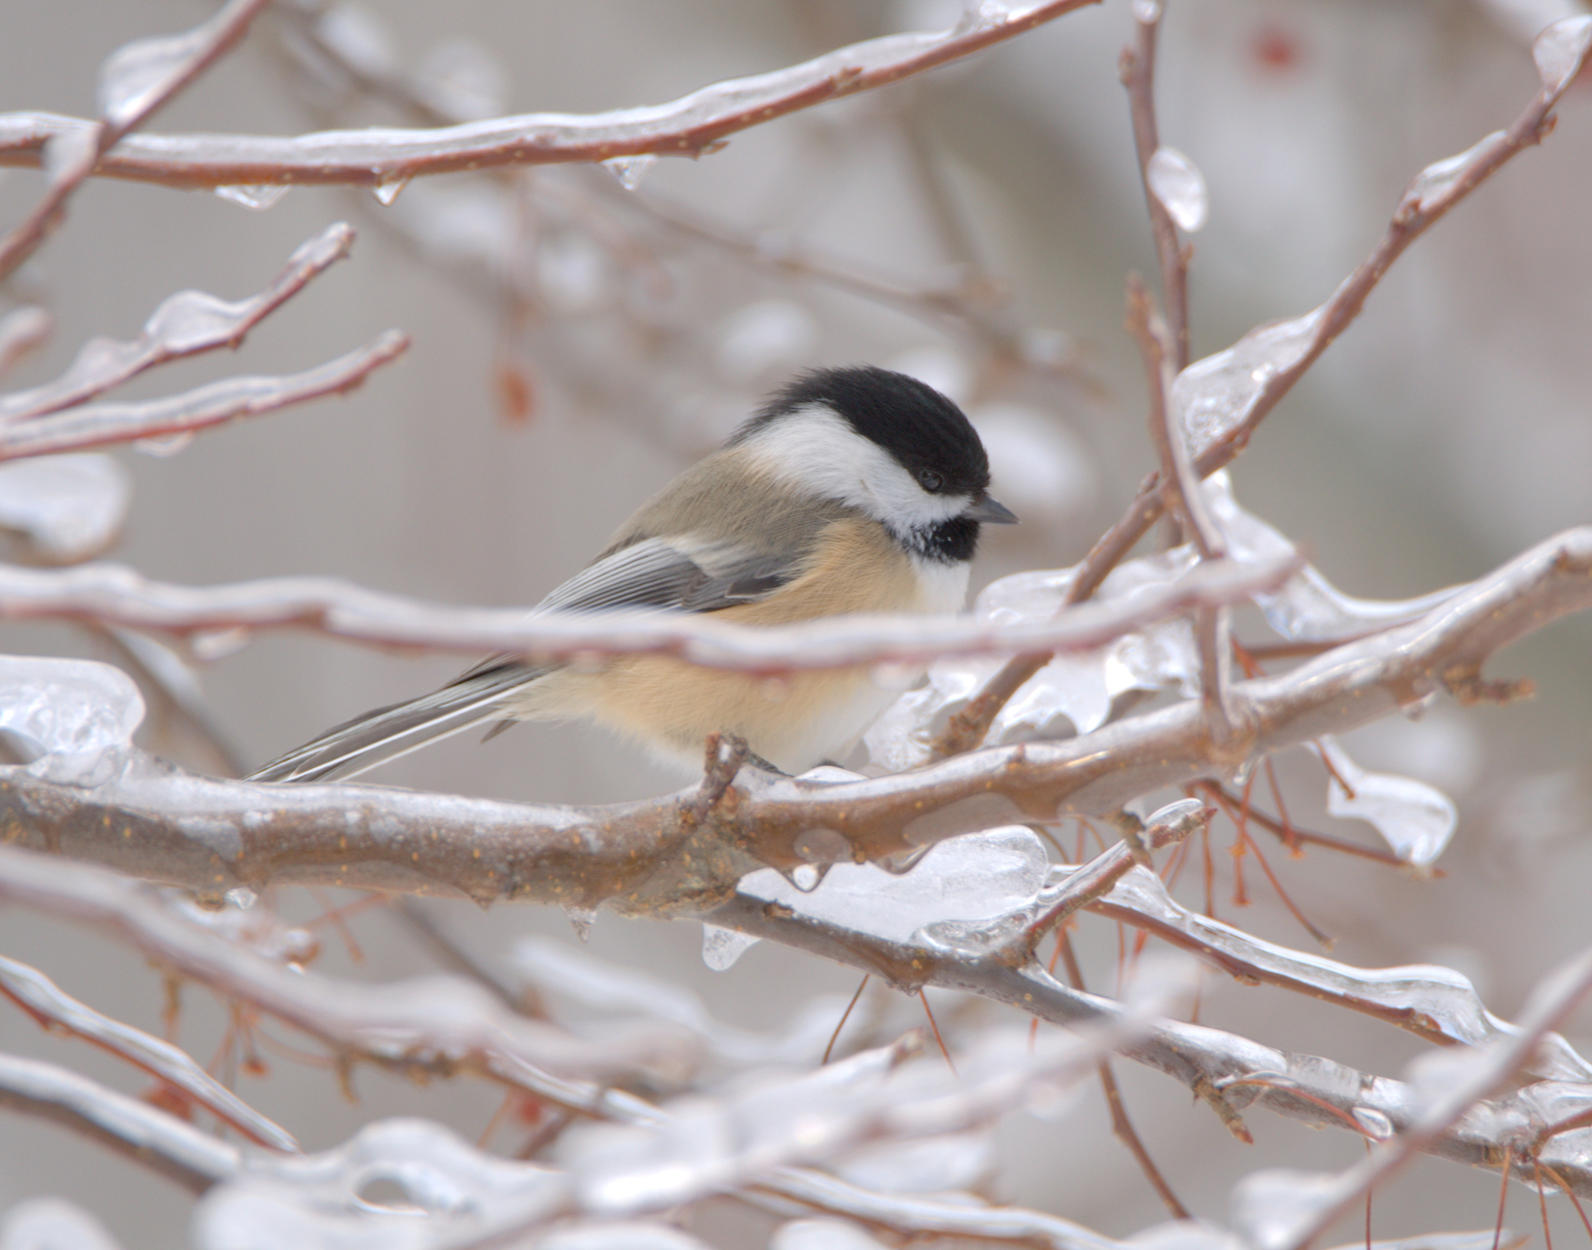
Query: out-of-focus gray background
{"type": "Point", "coordinates": [1448, 430]}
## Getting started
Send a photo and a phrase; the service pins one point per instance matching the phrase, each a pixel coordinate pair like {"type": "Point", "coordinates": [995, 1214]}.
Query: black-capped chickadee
{"type": "Point", "coordinates": [851, 490]}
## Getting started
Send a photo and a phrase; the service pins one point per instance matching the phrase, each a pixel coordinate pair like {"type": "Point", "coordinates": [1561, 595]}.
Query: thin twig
{"type": "Point", "coordinates": [126, 1126]}
{"type": "Point", "coordinates": [184, 325]}
{"type": "Point", "coordinates": [207, 43]}
{"type": "Point", "coordinates": [690, 126]}
{"type": "Point", "coordinates": [1416, 213]}
{"type": "Point", "coordinates": [114, 596]}
{"type": "Point", "coordinates": [1136, 70]}
{"type": "Point", "coordinates": [53, 1009]}
{"type": "Point", "coordinates": [1121, 1122]}
{"type": "Point", "coordinates": [102, 425]}
{"type": "Point", "coordinates": [1187, 503]}
{"type": "Point", "coordinates": [1488, 1072]}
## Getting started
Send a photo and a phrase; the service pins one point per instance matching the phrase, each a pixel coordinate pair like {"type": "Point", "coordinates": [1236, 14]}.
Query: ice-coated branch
{"type": "Point", "coordinates": [114, 596]}
{"type": "Point", "coordinates": [1229, 1072]}
{"type": "Point", "coordinates": [135, 82]}
{"type": "Point", "coordinates": [1136, 69]}
{"type": "Point", "coordinates": [1433, 1003]}
{"type": "Point", "coordinates": [53, 1009]}
{"type": "Point", "coordinates": [185, 324]}
{"type": "Point", "coordinates": [100, 425]}
{"type": "Point", "coordinates": [667, 856]}
{"type": "Point", "coordinates": [689, 126]}
{"type": "Point", "coordinates": [1211, 625]}
{"type": "Point", "coordinates": [424, 1026]}
{"type": "Point", "coordinates": [1284, 351]}
{"type": "Point", "coordinates": [145, 1134]}
{"type": "Point", "coordinates": [1475, 1078]}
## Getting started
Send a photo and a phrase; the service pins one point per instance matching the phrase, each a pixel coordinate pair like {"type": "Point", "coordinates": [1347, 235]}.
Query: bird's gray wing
{"type": "Point", "coordinates": [659, 574]}
{"type": "Point", "coordinates": [651, 573]}
{"type": "Point", "coordinates": [664, 574]}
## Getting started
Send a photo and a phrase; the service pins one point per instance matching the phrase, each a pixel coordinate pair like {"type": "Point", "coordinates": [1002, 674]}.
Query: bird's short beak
{"type": "Point", "coordinates": [986, 509]}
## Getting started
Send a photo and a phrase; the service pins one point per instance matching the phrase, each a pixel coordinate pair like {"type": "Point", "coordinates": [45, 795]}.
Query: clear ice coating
{"type": "Point", "coordinates": [1561, 50]}
{"type": "Point", "coordinates": [1177, 183]}
{"type": "Point", "coordinates": [1074, 692]}
{"type": "Point", "coordinates": [137, 74]}
{"type": "Point", "coordinates": [1307, 606]}
{"type": "Point", "coordinates": [722, 947]}
{"type": "Point", "coordinates": [1415, 820]}
{"type": "Point", "coordinates": [977, 876]}
{"type": "Point", "coordinates": [68, 508]}
{"type": "Point", "coordinates": [1441, 177]}
{"type": "Point", "coordinates": [71, 153]}
{"type": "Point", "coordinates": [255, 197]}
{"type": "Point", "coordinates": [72, 720]}
{"type": "Point", "coordinates": [1213, 396]}
{"type": "Point", "coordinates": [371, 1192]}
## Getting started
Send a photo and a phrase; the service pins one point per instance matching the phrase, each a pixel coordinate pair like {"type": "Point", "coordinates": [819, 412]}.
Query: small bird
{"type": "Point", "coordinates": [851, 490]}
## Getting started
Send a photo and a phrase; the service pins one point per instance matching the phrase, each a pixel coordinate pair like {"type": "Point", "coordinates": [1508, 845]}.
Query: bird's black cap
{"type": "Point", "coordinates": [911, 420]}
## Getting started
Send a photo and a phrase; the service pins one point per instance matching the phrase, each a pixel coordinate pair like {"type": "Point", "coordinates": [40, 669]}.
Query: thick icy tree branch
{"type": "Point", "coordinates": [690, 126]}
{"type": "Point", "coordinates": [677, 854]}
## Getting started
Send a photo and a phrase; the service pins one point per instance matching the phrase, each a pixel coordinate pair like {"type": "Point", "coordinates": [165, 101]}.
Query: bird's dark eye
{"type": "Point", "coordinates": [931, 481]}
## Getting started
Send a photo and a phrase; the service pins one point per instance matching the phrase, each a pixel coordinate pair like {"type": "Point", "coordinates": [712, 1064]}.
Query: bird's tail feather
{"type": "Point", "coordinates": [389, 732]}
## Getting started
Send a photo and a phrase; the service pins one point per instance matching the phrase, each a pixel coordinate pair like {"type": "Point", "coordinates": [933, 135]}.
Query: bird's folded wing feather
{"type": "Point", "coordinates": [653, 573]}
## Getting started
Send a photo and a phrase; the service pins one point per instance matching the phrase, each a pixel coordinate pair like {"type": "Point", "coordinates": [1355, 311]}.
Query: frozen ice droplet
{"type": "Point", "coordinates": [1374, 1123]}
{"type": "Point", "coordinates": [805, 877]}
{"type": "Point", "coordinates": [1415, 820]}
{"type": "Point", "coordinates": [72, 719]}
{"type": "Point", "coordinates": [1147, 12]}
{"type": "Point", "coordinates": [630, 170]}
{"type": "Point", "coordinates": [257, 197]}
{"type": "Point", "coordinates": [387, 190]}
{"type": "Point", "coordinates": [1177, 182]}
{"type": "Point", "coordinates": [1561, 50]}
{"type": "Point", "coordinates": [722, 947]}
{"type": "Point", "coordinates": [581, 920]}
